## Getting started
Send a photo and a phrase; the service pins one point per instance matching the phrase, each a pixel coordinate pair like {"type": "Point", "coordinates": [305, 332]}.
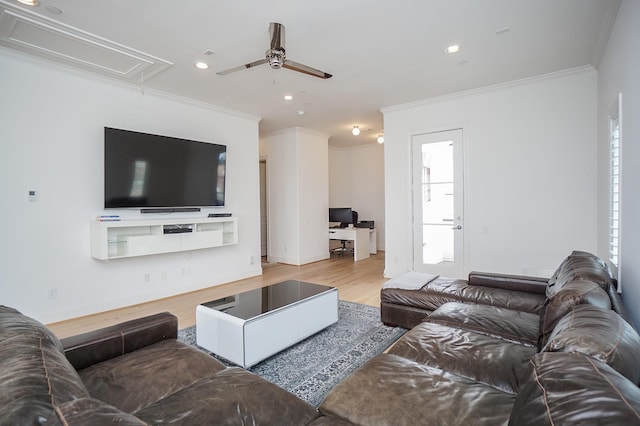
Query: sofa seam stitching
{"type": "Point", "coordinates": [544, 392]}
{"type": "Point", "coordinates": [615, 388]}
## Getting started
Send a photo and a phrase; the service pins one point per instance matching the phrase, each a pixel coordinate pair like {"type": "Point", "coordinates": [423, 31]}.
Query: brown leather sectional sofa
{"type": "Point", "coordinates": [134, 373]}
{"type": "Point", "coordinates": [500, 350]}
{"type": "Point", "coordinates": [495, 350]}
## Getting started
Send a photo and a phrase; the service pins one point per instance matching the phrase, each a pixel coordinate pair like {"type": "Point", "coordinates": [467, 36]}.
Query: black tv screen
{"type": "Point", "coordinates": [146, 171]}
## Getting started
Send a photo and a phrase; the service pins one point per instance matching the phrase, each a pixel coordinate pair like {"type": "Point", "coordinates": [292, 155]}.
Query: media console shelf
{"type": "Point", "coordinates": [128, 238]}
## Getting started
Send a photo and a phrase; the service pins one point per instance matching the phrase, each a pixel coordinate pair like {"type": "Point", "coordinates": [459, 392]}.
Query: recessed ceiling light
{"type": "Point", "coordinates": [454, 48]}
{"type": "Point", "coordinates": [30, 2]}
{"type": "Point", "coordinates": [355, 131]}
{"type": "Point", "coordinates": [288, 97]}
{"type": "Point", "coordinates": [380, 139]}
{"type": "Point", "coordinates": [301, 112]}
{"type": "Point", "coordinates": [202, 65]}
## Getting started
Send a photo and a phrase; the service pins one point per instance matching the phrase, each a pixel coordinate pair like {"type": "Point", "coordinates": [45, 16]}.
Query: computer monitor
{"type": "Point", "coordinates": [344, 215]}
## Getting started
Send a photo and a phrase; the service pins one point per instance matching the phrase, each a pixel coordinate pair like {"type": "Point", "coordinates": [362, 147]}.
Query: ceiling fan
{"type": "Point", "coordinates": [276, 56]}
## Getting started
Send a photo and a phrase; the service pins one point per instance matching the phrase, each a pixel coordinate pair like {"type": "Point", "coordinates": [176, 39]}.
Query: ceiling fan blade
{"type": "Point", "coordinates": [295, 66]}
{"type": "Point", "coordinates": [243, 67]}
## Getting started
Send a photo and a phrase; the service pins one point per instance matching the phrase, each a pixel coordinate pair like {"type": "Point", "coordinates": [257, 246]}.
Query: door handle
{"type": "Point", "coordinates": [457, 227]}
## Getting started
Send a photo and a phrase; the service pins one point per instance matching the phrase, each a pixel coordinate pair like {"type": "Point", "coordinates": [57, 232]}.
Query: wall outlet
{"type": "Point", "coordinates": [147, 277]}
{"type": "Point", "coordinates": [250, 260]}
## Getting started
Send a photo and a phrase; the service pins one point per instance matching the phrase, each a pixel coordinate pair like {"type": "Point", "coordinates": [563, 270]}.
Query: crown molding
{"type": "Point", "coordinates": [490, 88]}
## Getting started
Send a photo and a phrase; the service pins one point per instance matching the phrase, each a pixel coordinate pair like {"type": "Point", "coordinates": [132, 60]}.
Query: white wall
{"type": "Point", "coordinates": [529, 174]}
{"type": "Point", "coordinates": [314, 196]}
{"type": "Point", "coordinates": [52, 121]}
{"type": "Point", "coordinates": [356, 180]}
{"type": "Point", "coordinates": [618, 73]}
{"type": "Point", "coordinates": [298, 181]}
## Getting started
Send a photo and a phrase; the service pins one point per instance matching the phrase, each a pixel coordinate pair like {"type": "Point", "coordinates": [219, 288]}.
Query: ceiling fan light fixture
{"type": "Point", "coordinates": [380, 139]}
{"type": "Point", "coordinates": [288, 97]}
{"type": "Point", "coordinates": [355, 131]}
{"type": "Point", "coordinates": [202, 65]}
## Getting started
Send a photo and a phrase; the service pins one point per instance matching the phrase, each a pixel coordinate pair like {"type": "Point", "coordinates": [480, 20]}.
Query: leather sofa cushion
{"type": "Point", "coordinates": [36, 377]}
{"type": "Point", "coordinates": [142, 377]}
{"type": "Point", "coordinates": [501, 323]}
{"type": "Point", "coordinates": [86, 349]}
{"type": "Point", "coordinates": [574, 293]}
{"type": "Point", "coordinates": [494, 362]}
{"type": "Point", "coordinates": [391, 390]}
{"type": "Point", "coordinates": [90, 411]}
{"type": "Point", "coordinates": [443, 290]}
{"type": "Point", "coordinates": [584, 266]}
{"type": "Point", "coordinates": [601, 334]}
{"type": "Point", "coordinates": [233, 396]}
{"type": "Point", "coordinates": [574, 389]}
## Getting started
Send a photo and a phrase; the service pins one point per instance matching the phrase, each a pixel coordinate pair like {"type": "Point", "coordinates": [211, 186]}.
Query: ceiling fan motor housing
{"type": "Point", "coordinates": [276, 58]}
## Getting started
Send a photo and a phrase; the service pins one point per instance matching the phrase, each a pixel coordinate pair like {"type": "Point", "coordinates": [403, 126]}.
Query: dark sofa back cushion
{"type": "Point", "coordinates": [574, 389]}
{"type": "Point", "coordinates": [35, 375]}
{"type": "Point", "coordinates": [560, 304]}
{"type": "Point", "coordinates": [601, 334]}
{"type": "Point", "coordinates": [580, 265]}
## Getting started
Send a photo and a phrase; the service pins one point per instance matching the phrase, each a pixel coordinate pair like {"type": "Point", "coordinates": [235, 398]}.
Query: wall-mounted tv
{"type": "Point", "coordinates": [150, 171]}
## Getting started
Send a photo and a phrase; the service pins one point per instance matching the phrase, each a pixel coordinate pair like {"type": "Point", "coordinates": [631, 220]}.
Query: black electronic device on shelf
{"type": "Point", "coordinates": [219, 214]}
{"type": "Point", "coordinates": [365, 224]}
{"type": "Point", "coordinates": [177, 229]}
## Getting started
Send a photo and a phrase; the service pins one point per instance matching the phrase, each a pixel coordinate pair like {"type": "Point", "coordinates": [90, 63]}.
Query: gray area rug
{"type": "Point", "coordinates": [311, 368]}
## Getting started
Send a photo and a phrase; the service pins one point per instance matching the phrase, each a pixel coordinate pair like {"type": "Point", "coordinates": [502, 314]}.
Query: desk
{"type": "Point", "coordinates": [364, 240]}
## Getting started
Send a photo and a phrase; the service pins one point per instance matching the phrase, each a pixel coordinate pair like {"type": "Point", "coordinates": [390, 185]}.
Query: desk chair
{"type": "Point", "coordinates": [343, 248]}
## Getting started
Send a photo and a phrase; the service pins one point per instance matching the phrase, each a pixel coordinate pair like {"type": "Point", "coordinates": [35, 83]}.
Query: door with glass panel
{"type": "Point", "coordinates": [438, 203]}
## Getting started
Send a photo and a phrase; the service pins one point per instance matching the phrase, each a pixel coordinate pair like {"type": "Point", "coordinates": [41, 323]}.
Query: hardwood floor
{"type": "Point", "coordinates": [358, 282]}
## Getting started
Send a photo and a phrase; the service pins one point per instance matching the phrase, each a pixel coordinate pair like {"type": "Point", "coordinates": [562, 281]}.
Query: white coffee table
{"type": "Point", "coordinates": [249, 327]}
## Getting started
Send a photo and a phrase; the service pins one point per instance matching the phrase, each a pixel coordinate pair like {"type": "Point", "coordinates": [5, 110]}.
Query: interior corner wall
{"type": "Point", "coordinates": [618, 73]}
{"type": "Point", "coordinates": [356, 180]}
{"type": "Point", "coordinates": [52, 120]}
{"type": "Point", "coordinates": [298, 180]}
{"type": "Point", "coordinates": [529, 172]}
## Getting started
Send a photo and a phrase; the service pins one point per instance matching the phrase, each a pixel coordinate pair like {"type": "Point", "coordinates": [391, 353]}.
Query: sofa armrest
{"type": "Point", "coordinates": [537, 285]}
{"type": "Point", "coordinates": [86, 349]}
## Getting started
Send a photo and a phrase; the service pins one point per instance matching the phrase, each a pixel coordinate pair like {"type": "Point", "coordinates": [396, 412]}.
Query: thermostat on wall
{"type": "Point", "coordinates": [33, 196]}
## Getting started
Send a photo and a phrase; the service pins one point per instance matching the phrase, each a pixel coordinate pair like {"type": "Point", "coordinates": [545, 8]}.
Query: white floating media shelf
{"type": "Point", "coordinates": [128, 238]}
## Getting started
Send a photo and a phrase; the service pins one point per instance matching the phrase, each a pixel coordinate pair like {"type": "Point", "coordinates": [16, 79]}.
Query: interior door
{"type": "Point", "coordinates": [438, 226]}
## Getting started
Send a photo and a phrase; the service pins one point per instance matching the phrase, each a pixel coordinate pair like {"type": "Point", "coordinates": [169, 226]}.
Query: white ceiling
{"type": "Point", "coordinates": [381, 53]}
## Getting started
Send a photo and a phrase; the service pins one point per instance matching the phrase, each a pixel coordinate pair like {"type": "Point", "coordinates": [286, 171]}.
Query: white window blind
{"type": "Point", "coordinates": [614, 183]}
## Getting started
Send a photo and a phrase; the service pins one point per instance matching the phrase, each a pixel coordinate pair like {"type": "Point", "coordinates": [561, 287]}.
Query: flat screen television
{"type": "Point", "coordinates": [148, 171]}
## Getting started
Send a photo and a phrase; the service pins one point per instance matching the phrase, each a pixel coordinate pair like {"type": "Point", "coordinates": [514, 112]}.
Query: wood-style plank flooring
{"type": "Point", "coordinates": [358, 282]}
